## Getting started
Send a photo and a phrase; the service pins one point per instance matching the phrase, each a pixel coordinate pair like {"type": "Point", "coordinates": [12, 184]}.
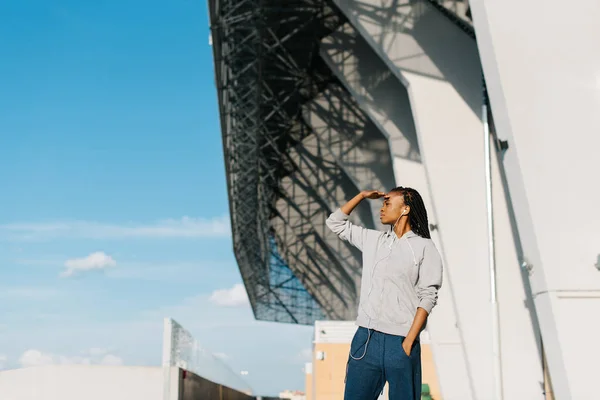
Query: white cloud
{"type": "Point", "coordinates": [3, 360]}
{"type": "Point", "coordinates": [34, 358]}
{"type": "Point", "coordinates": [95, 261]}
{"type": "Point", "coordinates": [305, 355]}
{"type": "Point", "coordinates": [28, 292]}
{"type": "Point", "coordinates": [185, 227]}
{"type": "Point", "coordinates": [221, 356]}
{"type": "Point", "coordinates": [111, 359]}
{"type": "Point", "coordinates": [96, 351]}
{"type": "Point", "coordinates": [233, 297]}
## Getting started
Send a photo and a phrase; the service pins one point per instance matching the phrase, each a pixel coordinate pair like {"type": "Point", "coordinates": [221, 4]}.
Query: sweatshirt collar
{"type": "Point", "coordinates": [407, 235]}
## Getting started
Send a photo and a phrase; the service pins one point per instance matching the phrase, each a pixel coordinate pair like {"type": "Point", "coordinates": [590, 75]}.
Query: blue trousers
{"type": "Point", "coordinates": [377, 358]}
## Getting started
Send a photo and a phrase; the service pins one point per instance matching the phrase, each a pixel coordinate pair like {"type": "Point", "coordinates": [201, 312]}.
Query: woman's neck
{"type": "Point", "coordinates": [402, 227]}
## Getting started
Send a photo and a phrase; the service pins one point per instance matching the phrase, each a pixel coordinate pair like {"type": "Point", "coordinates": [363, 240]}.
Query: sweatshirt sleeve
{"type": "Point", "coordinates": [430, 277]}
{"type": "Point", "coordinates": [346, 230]}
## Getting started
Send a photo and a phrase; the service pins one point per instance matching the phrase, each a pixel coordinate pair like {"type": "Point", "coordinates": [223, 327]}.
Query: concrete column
{"type": "Point", "coordinates": [542, 69]}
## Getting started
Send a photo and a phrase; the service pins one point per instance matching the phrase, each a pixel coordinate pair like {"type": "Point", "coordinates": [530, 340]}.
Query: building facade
{"type": "Point", "coordinates": [488, 108]}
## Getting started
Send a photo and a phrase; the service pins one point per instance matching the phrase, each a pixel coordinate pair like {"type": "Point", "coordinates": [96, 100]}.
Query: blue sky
{"type": "Point", "coordinates": [113, 203]}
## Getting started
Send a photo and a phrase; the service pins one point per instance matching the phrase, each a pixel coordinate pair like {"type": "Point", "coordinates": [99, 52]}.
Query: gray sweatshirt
{"type": "Point", "coordinates": [399, 275]}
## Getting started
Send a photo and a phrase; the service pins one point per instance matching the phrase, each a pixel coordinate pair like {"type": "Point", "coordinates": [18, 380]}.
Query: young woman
{"type": "Point", "coordinates": [402, 273]}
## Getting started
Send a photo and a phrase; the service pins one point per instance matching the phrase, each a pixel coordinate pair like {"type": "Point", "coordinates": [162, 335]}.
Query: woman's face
{"type": "Point", "coordinates": [392, 208]}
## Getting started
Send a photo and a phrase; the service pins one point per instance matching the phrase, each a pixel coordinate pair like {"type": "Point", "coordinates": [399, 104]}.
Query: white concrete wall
{"type": "Point", "coordinates": [440, 67]}
{"type": "Point", "coordinates": [542, 68]}
{"type": "Point", "coordinates": [86, 382]}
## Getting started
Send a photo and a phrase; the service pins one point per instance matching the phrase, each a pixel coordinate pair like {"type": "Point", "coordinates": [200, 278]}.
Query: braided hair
{"type": "Point", "coordinates": [417, 217]}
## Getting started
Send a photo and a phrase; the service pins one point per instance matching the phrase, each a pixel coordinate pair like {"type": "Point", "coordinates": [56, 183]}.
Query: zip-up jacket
{"type": "Point", "coordinates": [399, 275]}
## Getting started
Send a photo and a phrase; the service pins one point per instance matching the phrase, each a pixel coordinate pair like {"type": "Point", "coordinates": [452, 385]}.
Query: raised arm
{"type": "Point", "coordinates": [339, 224]}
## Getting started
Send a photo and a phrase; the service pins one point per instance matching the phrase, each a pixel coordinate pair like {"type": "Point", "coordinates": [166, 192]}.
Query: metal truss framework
{"type": "Point", "coordinates": [267, 65]}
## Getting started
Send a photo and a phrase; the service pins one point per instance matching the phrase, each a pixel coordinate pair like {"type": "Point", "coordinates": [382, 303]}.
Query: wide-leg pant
{"type": "Point", "coordinates": [377, 358]}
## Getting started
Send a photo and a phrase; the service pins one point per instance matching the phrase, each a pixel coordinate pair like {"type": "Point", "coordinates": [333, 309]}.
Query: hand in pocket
{"type": "Point", "coordinates": [407, 346]}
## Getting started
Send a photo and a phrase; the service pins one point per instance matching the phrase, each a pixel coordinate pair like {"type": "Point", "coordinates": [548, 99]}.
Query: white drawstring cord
{"type": "Point", "coordinates": [365, 351]}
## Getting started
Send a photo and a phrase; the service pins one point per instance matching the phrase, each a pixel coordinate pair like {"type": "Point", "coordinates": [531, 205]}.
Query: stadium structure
{"type": "Point", "coordinates": [491, 109]}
